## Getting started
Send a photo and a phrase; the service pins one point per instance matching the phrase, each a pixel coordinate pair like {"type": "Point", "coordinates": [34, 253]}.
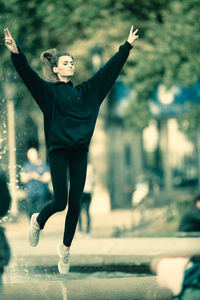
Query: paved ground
{"type": "Point", "coordinates": [91, 250]}
{"type": "Point", "coordinates": [97, 250]}
{"type": "Point", "coordinates": [97, 289]}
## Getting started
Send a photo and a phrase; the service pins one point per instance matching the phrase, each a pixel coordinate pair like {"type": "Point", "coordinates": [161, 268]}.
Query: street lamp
{"type": "Point", "coordinates": [98, 148]}
{"type": "Point", "coordinates": [162, 108]}
{"type": "Point", "coordinates": [9, 88]}
{"type": "Point", "coordinates": [96, 57]}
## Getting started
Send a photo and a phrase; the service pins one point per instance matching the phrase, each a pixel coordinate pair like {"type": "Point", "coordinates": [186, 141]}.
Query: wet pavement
{"type": "Point", "coordinates": [95, 262]}
{"type": "Point", "coordinates": [15, 274]}
{"type": "Point", "coordinates": [143, 288]}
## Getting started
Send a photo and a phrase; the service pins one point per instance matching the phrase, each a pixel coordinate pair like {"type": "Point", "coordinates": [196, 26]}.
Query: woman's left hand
{"type": "Point", "coordinates": [132, 36]}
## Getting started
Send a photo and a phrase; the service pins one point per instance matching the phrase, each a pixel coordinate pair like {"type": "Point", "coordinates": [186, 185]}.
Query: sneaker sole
{"type": "Point", "coordinates": [62, 272]}
{"type": "Point", "coordinates": [31, 241]}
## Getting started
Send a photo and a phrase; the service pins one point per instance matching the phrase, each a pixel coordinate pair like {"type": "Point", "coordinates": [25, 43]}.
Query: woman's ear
{"type": "Point", "coordinates": [55, 70]}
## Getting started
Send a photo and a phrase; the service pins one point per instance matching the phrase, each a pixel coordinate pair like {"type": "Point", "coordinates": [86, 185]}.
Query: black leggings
{"type": "Point", "coordinates": [60, 160]}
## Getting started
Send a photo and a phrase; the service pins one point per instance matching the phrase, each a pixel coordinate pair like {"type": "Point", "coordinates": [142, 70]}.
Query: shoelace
{"type": "Point", "coordinates": [65, 258]}
{"type": "Point", "coordinates": [35, 232]}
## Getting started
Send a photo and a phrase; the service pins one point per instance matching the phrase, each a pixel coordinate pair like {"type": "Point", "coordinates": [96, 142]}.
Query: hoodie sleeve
{"type": "Point", "coordinates": [30, 78]}
{"type": "Point", "coordinates": [102, 81]}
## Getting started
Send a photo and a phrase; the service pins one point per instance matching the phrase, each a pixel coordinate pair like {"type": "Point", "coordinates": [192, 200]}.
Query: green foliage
{"type": "Point", "coordinates": [137, 114]}
{"type": "Point", "coordinates": [167, 52]}
{"type": "Point", "coordinates": [189, 122]}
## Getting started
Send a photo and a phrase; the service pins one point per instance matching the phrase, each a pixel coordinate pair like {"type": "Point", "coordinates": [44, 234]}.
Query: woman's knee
{"type": "Point", "coordinates": [59, 206]}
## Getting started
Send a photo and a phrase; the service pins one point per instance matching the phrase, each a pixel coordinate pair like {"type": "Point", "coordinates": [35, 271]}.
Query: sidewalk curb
{"type": "Point", "coordinates": [95, 289]}
{"type": "Point", "coordinates": [132, 263]}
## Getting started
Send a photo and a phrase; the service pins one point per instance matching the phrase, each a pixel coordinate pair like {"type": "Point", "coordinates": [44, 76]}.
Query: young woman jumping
{"type": "Point", "coordinates": [70, 114]}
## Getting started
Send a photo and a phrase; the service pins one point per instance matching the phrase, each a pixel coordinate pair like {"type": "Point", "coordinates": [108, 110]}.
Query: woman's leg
{"type": "Point", "coordinates": [77, 172]}
{"type": "Point", "coordinates": [58, 165]}
{"type": "Point", "coordinates": [88, 201]}
{"type": "Point", "coordinates": [80, 214]}
{"type": "Point", "coordinates": [30, 206]}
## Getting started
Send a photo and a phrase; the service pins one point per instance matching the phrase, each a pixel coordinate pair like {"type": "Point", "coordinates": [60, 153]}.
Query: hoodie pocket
{"type": "Point", "coordinates": [71, 131]}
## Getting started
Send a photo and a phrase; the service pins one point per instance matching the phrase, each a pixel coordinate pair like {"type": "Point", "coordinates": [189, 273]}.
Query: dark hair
{"type": "Point", "coordinates": [195, 258]}
{"type": "Point", "coordinates": [196, 199]}
{"type": "Point", "coordinates": [49, 60]}
{"type": "Point", "coordinates": [5, 198]}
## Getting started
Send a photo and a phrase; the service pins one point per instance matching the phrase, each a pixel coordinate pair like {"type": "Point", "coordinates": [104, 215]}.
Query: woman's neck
{"type": "Point", "coordinates": [64, 79]}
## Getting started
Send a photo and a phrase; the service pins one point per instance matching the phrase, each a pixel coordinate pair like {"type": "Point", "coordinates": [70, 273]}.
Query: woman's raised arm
{"type": "Point", "coordinates": [102, 81]}
{"type": "Point", "coordinates": [30, 78]}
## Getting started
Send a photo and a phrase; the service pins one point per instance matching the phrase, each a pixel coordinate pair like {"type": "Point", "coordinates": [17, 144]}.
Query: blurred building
{"type": "Point", "coordinates": [173, 154]}
{"type": "Point", "coordinates": [116, 151]}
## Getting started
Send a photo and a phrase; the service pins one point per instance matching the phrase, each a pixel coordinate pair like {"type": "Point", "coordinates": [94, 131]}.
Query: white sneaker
{"type": "Point", "coordinates": [64, 261]}
{"type": "Point", "coordinates": [34, 231]}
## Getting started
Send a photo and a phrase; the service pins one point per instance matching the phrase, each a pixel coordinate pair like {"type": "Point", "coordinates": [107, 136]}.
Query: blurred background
{"type": "Point", "coordinates": [146, 146]}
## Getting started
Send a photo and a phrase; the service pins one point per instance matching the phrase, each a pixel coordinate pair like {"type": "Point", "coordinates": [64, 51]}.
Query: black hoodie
{"type": "Point", "coordinates": [70, 112]}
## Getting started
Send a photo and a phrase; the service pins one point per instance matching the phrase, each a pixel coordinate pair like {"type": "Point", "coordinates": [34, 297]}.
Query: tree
{"type": "Point", "coordinates": [168, 52]}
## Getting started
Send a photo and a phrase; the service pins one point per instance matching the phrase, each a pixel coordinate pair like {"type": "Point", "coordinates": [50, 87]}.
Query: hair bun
{"type": "Point", "coordinates": [48, 54]}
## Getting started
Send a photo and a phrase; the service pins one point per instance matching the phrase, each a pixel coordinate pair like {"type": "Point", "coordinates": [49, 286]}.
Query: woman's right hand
{"type": "Point", "coordinates": [9, 42]}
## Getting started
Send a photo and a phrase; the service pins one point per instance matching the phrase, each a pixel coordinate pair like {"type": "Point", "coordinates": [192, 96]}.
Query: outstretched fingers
{"type": "Point", "coordinates": [131, 30]}
{"type": "Point", "coordinates": [7, 33]}
{"type": "Point", "coordinates": [8, 37]}
{"type": "Point", "coordinates": [9, 41]}
{"type": "Point", "coordinates": [132, 35]}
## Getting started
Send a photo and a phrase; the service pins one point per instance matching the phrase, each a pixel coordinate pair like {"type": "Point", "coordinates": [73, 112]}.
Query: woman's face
{"type": "Point", "coordinates": [65, 67]}
{"type": "Point", "coordinates": [32, 155]}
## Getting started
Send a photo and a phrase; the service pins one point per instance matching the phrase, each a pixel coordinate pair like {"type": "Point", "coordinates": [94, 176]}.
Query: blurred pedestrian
{"type": "Point", "coordinates": [180, 273]}
{"type": "Point", "coordinates": [70, 114]}
{"type": "Point", "coordinates": [86, 199]}
{"type": "Point", "coordinates": [5, 201]}
{"type": "Point", "coordinates": [35, 176]}
{"type": "Point", "coordinates": [190, 221]}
